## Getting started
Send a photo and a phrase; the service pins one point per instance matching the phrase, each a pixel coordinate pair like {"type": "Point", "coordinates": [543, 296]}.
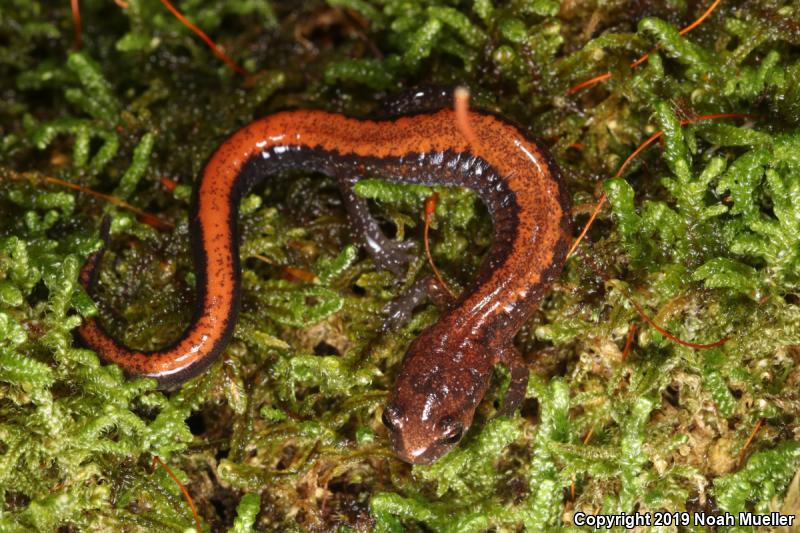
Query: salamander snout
{"type": "Point", "coordinates": [435, 395]}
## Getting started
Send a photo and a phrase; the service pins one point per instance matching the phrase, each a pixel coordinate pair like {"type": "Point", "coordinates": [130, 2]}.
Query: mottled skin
{"type": "Point", "coordinates": [448, 367]}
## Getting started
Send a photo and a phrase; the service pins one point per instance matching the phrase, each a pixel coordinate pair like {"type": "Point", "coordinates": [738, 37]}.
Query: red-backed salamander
{"type": "Point", "coordinates": [447, 369]}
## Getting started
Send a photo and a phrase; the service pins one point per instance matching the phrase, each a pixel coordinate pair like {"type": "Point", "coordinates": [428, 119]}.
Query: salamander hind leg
{"type": "Point", "coordinates": [511, 357]}
{"type": "Point", "coordinates": [394, 256]}
{"type": "Point", "coordinates": [399, 311]}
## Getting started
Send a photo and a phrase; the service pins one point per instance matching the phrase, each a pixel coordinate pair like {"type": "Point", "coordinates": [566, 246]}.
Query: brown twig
{"type": "Point", "coordinates": [158, 462]}
{"type": "Point", "coordinates": [144, 216]}
{"type": "Point", "coordinates": [76, 20]}
{"type": "Point", "coordinates": [650, 140]}
{"type": "Point", "coordinates": [749, 441]}
{"type": "Point", "coordinates": [588, 225]}
{"type": "Point", "coordinates": [206, 39]}
{"type": "Point", "coordinates": [672, 337]}
{"type": "Point", "coordinates": [629, 341]}
{"type": "Point", "coordinates": [643, 58]}
{"type": "Point", "coordinates": [461, 108]}
{"type": "Point", "coordinates": [430, 208]}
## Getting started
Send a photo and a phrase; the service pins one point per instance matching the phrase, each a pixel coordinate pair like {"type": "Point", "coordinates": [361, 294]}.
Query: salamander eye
{"type": "Point", "coordinates": [391, 414]}
{"type": "Point", "coordinates": [451, 431]}
{"type": "Point", "coordinates": [387, 421]}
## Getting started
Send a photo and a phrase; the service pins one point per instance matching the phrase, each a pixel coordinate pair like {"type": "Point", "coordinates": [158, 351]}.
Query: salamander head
{"type": "Point", "coordinates": [432, 404]}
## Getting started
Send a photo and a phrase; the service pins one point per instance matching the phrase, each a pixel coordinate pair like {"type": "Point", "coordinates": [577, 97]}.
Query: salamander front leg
{"type": "Point", "coordinates": [399, 311]}
{"type": "Point", "coordinates": [388, 254]}
{"type": "Point", "coordinates": [511, 357]}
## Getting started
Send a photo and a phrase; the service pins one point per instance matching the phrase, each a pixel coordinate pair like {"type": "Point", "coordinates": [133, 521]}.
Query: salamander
{"type": "Point", "coordinates": [447, 368]}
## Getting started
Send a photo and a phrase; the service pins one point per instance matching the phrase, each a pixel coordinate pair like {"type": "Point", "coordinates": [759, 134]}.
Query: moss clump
{"type": "Point", "coordinates": [284, 432]}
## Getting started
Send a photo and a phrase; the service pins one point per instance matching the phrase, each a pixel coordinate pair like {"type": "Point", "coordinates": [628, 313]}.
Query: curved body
{"type": "Point", "coordinates": [447, 369]}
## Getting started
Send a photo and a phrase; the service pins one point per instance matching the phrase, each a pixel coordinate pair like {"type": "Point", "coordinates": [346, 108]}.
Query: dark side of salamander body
{"type": "Point", "coordinates": [448, 368]}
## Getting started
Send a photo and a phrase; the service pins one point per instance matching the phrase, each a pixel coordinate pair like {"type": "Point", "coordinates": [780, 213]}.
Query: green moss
{"type": "Point", "coordinates": [284, 432]}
